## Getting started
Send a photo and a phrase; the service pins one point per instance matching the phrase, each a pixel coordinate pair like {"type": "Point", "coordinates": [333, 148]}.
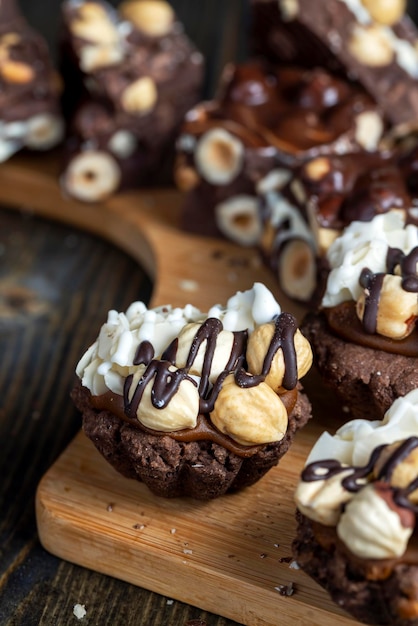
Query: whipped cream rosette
{"type": "Point", "coordinates": [226, 380]}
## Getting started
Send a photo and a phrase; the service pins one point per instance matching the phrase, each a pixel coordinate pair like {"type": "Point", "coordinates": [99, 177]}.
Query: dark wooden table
{"type": "Point", "coordinates": [56, 286]}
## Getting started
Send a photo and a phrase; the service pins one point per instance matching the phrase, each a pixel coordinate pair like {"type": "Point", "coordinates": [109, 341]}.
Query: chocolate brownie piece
{"type": "Point", "coordinates": [30, 88]}
{"type": "Point", "coordinates": [367, 380]}
{"type": "Point", "coordinates": [170, 468]}
{"type": "Point", "coordinates": [138, 70]}
{"type": "Point", "coordinates": [381, 601]}
{"type": "Point", "coordinates": [265, 121]}
{"type": "Point", "coordinates": [372, 42]}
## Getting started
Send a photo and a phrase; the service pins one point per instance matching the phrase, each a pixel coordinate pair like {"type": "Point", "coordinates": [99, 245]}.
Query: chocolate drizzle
{"type": "Point", "coordinates": [359, 476]}
{"type": "Point", "coordinates": [167, 378]}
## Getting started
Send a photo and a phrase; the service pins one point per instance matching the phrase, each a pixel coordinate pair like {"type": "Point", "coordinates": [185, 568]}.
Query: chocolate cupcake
{"type": "Point", "coordinates": [195, 404]}
{"type": "Point", "coordinates": [357, 512]}
{"type": "Point", "coordinates": [364, 336]}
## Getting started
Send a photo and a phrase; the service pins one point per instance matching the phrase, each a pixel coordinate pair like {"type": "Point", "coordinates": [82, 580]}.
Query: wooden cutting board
{"type": "Point", "coordinates": [231, 556]}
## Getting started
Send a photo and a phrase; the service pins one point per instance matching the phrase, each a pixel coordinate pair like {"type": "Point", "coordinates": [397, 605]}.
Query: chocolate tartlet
{"type": "Point", "coordinates": [364, 336]}
{"type": "Point", "coordinates": [195, 404]}
{"type": "Point", "coordinates": [357, 513]}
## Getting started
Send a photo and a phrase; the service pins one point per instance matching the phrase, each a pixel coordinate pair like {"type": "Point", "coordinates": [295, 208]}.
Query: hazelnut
{"type": "Point", "coordinates": [16, 72]}
{"type": "Point", "coordinates": [275, 180]}
{"type": "Point", "coordinates": [123, 144]}
{"type": "Point", "coordinates": [297, 270]}
{"type": "Point", "coordinates": [91, 176]}
{"type": "Point", "coordinates": [257, 348]}
{"type": "Point", "coordinates": [140, 97]}
{"type": "Point", "coordinates": [371, 46]}
{"type": "Point", "coordinates": [94, 25]}
{"type": "Point", "coordinates": [372, 526]}
{"type": "Point", "coordinates": [238, 218]}
{"type": "Point", "coordinates": [386, 12]}
{"type": "Point", "coordinates": [219, 156]}
{"type": "Point", "coordinates": [289, 9]}
{"type": "Point", "coordinates": [221, 356]}
{"type": "Point", "coordinates": [155, 18]}
{"type": "Point", "coordinates": [404, 472]}
{"type": "Point", "coordinates": [397, 309]}
{"type": "Point", "coordinates": [368, 130]}
{"type": "Point", "coordinates": [250, 416]}
{"type": "Point", "coordinates": [94, 57]}
{"type": "Point", "coordinates": [180, 412]}
{"type": "Point", "coordinates": [317, 168]}
{"type": "Point", "coordinates": [185, 176]}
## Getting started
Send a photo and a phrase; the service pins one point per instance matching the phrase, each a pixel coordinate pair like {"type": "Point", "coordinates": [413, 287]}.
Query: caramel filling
{"type": "Point", "coordinates": [204, 429]}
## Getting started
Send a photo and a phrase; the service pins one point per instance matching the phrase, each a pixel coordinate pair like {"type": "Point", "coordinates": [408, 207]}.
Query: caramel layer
{"type": "Point", "coordinates": [204, 429]}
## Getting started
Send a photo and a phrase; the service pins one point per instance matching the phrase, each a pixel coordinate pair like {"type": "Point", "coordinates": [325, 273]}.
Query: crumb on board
{"type": "Point", "coordinates": [294, 565]}
{"type": "Point", "coordinates": [79, 611]}
{"type": "Point", "coordinates": [286, 590]}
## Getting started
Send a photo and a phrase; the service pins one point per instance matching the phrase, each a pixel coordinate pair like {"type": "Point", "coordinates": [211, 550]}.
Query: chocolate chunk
{"type": "Point", "coordinates": [354, 39]}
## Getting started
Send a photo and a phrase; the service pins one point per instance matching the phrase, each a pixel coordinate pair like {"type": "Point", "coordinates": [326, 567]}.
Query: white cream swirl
{"type": "Point", "coordinates": [365, 244]}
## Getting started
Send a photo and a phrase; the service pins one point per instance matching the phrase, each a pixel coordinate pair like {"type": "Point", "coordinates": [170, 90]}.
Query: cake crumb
{"type": "Point", "coordinates": [285, 590]}
{"type": "Point", "coordinates": [109, 507]}
{"type": "Point", "coordinates": [139, 526]}
{"type": "Point", "coordinates": [173, 531]}
{"type": "Point", "coordinates": [169, 602]}
{"type": "Point", "coordinates": [294, 565]}
{"type": "Point", "coordinates": [285, 559]}
{"type": "Point", "coordinates": [79, 610]}
{"type": "Point", "coordinates": [187, 551]}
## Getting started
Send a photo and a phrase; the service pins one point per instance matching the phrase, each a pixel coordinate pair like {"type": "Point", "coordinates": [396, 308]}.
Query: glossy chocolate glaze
{"type": "Point", "coordinates": [357, 187]}
{"type": "Point", "coordinates": [291, 109]}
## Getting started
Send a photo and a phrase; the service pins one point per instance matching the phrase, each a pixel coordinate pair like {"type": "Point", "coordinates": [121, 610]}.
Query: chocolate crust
{"type": "Point", "coordinates": [199, 469]}
{"type": "Point", "coordinates": [390, 600]}
{"type": "Point", "coordinates": [365, 379]}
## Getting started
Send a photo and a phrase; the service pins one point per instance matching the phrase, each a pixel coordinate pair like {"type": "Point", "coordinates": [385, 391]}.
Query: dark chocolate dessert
{"type": "Point", "coordinates": [195, 404]}
{"type": "Point", "coordinates": [364, 336]}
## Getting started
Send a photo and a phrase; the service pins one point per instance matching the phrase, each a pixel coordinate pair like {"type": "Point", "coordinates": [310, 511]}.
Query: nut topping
{"type": "Point", "coordinates": [361, 527]}
{"type": "Point", "coordinates": [371, 46]}
{"type": "Point", "coordinates": [258, 345]}
{"type": "Point", "coordinates": [155, 18]}
{"type": "Point", "coordinates": [397, 310]}
{"type": "Point", "coordinates": [317, 168]}
{"type": "Point", "coordinates": [180, 412]}
{"type": "Point", "coordinates": [140, 97]}
{"type": "Point", "coordinates": [94, 25]}
{"type": "Point", "coordinates": [219, 156]}
{"type": "Point", "coordinates": [386, 12]}
{"type": "Point", "coordinates": [91, 176]}
{"type": "Point", "coordinates": [16, 72]}
{"type": "Point", "coordinates": [369, 130]}
{"type": "Point", "coordinates": [43, 131]}
{"type": "Point", "coordinates": [238, 218]}
{"type": "Point", "coordinates": [253, 415]}
{"type": "Point", "coordinates": [297, 270]}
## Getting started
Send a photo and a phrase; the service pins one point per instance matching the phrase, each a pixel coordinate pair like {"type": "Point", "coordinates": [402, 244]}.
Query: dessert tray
{"type": "Point", "coordinates": [230, 556]}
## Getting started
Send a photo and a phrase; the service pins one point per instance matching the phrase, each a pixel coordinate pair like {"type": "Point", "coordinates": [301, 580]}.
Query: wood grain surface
{"type": "Point", "coordinates": [229, 556]}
